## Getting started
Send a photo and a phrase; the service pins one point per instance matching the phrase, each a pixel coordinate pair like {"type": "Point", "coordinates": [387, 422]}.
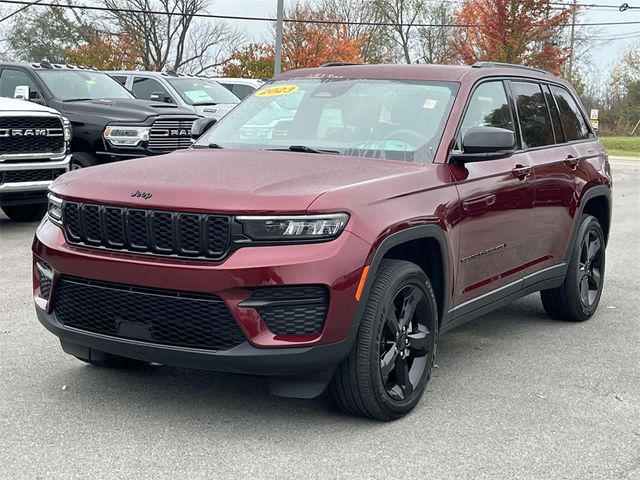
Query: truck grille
{"type": "Point", "coordinates": [154, 315]}
{"type": "Point", "coordinates": [168, 135]}
{"type": "Point", "coordinates": [194, 235]}
{"type": "Point", "coordinates": [14, 176]}
{"type": "Point", "coordinates": [31, 135]}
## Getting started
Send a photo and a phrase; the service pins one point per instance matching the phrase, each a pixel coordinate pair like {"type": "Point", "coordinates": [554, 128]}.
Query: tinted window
{"type": "Point", "coordinates": [537, 130]}
{"type": "Point", "coordinates": [144, 87]}
{"type": "Point", "coordinates": [555, 116]}
{"type": "Point", "coordinates": [120, 79]}
{"type": "Point", "coordinates": [488, 107]}
{"type": "Point", "coordinates": [10, 79]}
{"type": "Point", "coordinates": [242, 91]}
{"type": "Point", "coordinates": [575, 127]}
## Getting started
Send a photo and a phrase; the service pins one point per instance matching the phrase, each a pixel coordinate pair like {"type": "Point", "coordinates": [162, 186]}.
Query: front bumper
{"type": "Point", "coordinates": [337, 265]}
{"type": "Point", "coordinates": [29, 191]}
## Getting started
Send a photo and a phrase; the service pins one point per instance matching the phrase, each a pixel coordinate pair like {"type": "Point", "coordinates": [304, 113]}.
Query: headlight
{"type": "Point", "coordinates": [301, 227]}
{"type": "Point", "coordinates": [54, 209]}
{"type": "Point", "coordinates": [67, 129]}
{"type": "Point", "coordinates": [124, 136]}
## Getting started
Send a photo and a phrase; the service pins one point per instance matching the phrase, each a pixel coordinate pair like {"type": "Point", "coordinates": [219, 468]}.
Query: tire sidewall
{"type": "Point", "coordinates": [588, 224]}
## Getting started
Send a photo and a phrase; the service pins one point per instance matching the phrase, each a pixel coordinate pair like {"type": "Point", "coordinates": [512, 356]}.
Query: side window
{"type": "Point", "coordinates": [488, 107]}
{"type": "Point", "coordinates": [10, 79]}
{"type": "Point", "coordinates": [575, 126]}
{"type": "Point", "coordinates": [241, 91]}
{"type": "Point", "coordinates": [144, 87]}
{"type": "Point", "coordinates": [555, 116]}
{"type": "Point", "coordinates": [122, 80]}
{"type": "Point", "coordinates": [535, 123]}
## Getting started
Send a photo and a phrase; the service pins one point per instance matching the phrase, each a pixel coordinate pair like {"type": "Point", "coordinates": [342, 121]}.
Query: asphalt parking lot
{"type": "Point", "coordinates": [515, 395]}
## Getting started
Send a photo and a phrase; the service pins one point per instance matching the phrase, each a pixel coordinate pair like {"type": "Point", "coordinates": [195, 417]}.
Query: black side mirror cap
{"type": "Point", "coordinates": [485, 143]}
{"type": "Point", "coordinates": [201, 125]}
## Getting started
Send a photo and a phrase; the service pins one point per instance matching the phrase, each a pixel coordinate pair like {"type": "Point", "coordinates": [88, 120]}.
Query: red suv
{"type": "Point", "coordinates": [331, 227]}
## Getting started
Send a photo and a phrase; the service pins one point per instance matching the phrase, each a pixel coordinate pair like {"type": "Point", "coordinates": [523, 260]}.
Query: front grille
{"type": "Point", "coordinates": [13, 176]}
{"type": "Point", "coordinates": [45, 286]}
{"type": "Point", "coordinates": [31, 135]}
{"type": "Point", "coordinates": [168, 135]}
{"type": "Point", "coordinates": [159, 316]}
{"type": "Point", "coordinates": [193, 235]}
{"type": "Point", "coordinates": [298, 310]}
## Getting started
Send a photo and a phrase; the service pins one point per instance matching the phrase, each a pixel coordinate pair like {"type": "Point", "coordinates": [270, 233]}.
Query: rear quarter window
{"type": "Point", "coordinates": [533, 114]}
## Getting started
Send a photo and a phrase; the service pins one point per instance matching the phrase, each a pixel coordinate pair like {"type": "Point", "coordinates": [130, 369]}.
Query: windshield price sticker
{"type": "Point", "coordinates": [278, 90]}
{"type": "Point", "coordinates": [198, 96]}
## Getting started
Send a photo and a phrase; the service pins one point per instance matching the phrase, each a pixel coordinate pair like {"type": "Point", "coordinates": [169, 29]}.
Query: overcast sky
{"type": "Point", "coordinates": [607, 44]}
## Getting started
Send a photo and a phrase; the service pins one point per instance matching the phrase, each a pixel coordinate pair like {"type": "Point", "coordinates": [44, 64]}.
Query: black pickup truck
{"type": "Point", "coordinates": [108, 122]}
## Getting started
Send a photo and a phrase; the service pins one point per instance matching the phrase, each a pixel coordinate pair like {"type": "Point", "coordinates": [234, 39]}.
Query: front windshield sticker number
{"type": "Point", "coordinates": [198, 96]}
{"type": "Point", "coordinates": [278, 90]}
{"type": "Point", "coordinates": [430, 103]}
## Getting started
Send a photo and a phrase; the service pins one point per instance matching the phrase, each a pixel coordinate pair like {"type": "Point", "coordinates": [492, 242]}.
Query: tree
{"type": "Point", "coordinates": [623, 106]}
{"type": "Point", "coordinates": [521, 32]}
{"type": "Point", "coordinates": [45, 33]}
{"type": "Point", "coordinates": [107, 53]}
{"type": "Point", "coordinates": [402, 15]}
{"type": "Point", "coordinates": [434, 43]}
{"type": "Point", "coordinates": [253, 61]}
{"type": "Point", "coordinates": [312, 44]}
{"type": "Point", "coordinates": [175, 39]}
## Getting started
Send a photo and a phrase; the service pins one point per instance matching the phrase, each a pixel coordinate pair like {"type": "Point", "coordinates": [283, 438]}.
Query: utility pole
{"type": "Point", "coordinates": [573, 37]}
{"type": "Point", "coordinates": [279, 25]}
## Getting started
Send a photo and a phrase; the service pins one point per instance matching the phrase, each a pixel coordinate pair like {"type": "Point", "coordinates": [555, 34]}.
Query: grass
{"type": "Point", "coordinates": [622, 146]}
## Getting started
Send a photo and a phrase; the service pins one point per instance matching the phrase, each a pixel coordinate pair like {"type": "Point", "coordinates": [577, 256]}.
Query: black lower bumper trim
{"type": "Point", "coordinates": [243, 359]}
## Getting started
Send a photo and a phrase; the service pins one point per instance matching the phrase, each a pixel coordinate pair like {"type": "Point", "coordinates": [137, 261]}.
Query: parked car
{"type": "Point", "coordinates": [109, 123]}
{"type": "Point", "coordinates": [34, 150]}
{"type": "Point", "coordinates": [200, 95]}
{"type": "Point", "coordinates": [240, 87]}
{"type": "Point", "coordinates": [395, 203]}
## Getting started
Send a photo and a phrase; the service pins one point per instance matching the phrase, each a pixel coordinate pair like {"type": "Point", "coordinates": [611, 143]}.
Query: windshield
{"type": "Point", "coordinates": [82, 84]}
{"type": "Point", "coordinates": [197, 91]}
{"type": "Point", "coordinates": [388, 119]}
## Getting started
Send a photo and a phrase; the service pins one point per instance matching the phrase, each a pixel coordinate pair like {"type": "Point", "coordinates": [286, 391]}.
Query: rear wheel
{"type": "Point", "coordinates": [387, 371]}
{"type": "Point", "coordinates": [25, 213]}
{"type": "Point", "coordinates": [578, 297]}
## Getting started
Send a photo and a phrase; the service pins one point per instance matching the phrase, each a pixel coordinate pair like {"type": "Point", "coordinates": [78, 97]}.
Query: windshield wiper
{"type": "Point", "coordinates": [214, 145]}
{"type": "Point", "coordinates": [303, 149]}
{"type": "Point", "coordinates": [77, 99]}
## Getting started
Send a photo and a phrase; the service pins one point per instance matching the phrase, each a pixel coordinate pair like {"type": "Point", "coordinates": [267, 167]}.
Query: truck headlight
{"type": "Point", "coordinates": [292, 228]}
{"type": "Point", "coordinates": [66, 124]}
{"type": "Point", "coordinates": [54, 209]}
{"type": "Point", "coordinates": [125, 136]}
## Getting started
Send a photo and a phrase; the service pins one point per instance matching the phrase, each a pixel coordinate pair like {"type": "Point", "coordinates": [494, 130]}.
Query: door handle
{"type": "Point", "coordinates": [521, 171]}
{"type": "Point", "coordinates": [572, 161]}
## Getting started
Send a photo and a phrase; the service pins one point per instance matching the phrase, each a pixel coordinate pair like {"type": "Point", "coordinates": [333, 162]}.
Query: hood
{"type": "Point", "coordinates": [216, 111]}
{"type": "Point", "coordinates": [15, 105]}
{"type": "Point", "coordinates": [224, 181]}
{"type": "Point", "coordinates": [123, 109]}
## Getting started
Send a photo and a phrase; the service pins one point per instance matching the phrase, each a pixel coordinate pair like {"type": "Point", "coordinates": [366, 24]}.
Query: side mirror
{"type": "Point", "coordinates": [159, 97]}
{"type": "Point", "coordinates": [201, 125]}
{"type": "Point", "coordinates": [486, 143]}
{"type": "Point", "coordinates": [21, 92]}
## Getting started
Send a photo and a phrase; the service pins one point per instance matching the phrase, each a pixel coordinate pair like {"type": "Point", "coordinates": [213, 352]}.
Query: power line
{"type": "Point", "coordinates": [18, 11]}
{"type": "Point", "coordinates": [290, 20]}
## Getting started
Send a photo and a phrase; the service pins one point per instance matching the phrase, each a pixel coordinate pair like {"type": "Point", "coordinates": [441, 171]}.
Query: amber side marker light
{"type": "Point", "coordinates": [363, 279]}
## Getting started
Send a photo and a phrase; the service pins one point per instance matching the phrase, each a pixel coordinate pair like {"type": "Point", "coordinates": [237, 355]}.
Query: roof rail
{"type": "Point", "coordinates": [507, 65]}
{"type": "Point", "coordinates": [171, 72]}
{"type": "Point", "coordinates": [338, 64]}
{"type": "Point", "coordinates": [46, 64]}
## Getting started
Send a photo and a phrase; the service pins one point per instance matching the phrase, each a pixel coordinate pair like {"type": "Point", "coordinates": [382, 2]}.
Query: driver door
{"type": "Point", "coordinates": [496, 207]}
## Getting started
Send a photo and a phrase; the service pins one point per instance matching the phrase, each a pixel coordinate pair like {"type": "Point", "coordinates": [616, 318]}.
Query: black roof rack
{"type": "Point", "coordinates": [46, 64]}
{"type": "Point", "coordinates": [507, 65]}
{"type": "Point", "coordinates": [338, 64]}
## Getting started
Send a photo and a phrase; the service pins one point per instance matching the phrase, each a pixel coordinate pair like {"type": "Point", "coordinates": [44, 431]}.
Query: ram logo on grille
{"type": "Point", "coordinates": [170, 135]}
{"type": "Point", "coordinates": [31, 132]}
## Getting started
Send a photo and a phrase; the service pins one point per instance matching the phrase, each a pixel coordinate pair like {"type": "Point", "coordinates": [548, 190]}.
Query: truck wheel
{"type": "Point", "coordinates": [578, 297]}
{"type": "Point", "coordinates": [83, 160]}
{"type": "Point", "coordinates": [389, 367]}
{"type": "Point", "coordinates": [25, 213]}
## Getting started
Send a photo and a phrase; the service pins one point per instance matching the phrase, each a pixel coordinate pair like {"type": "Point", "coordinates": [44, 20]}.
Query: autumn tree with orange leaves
{"type": "Point", "coordinates": [523, 32]}
{"type": "Point", "coordinates": [107, 52]}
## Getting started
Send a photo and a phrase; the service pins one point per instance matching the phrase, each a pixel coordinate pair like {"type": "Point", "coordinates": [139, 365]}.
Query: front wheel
{"type": "Point", "coordinates": [25, 213]}
{"type": "Point", "coordinates": [389, 367]}
{"type": "Point", "coordinates": [83, 160]}
{"type": "Point", "coordinates": [578, 297]}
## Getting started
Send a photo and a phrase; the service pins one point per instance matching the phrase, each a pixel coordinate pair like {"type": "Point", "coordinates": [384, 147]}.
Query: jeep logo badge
{"type": "Point", "coordinates": [139, 194]}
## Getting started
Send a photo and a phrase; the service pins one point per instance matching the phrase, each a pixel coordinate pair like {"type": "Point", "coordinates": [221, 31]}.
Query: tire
{"type": "Point", "coordinates": [83, 160]}
{"type": "Point", "coordinates": [578, 297]}
{"type": "Point", "coordinates": [358, 386]}
{"type": "Point", "coordinates": [25, 213]}
{"type": "Point", "coordinates": [107, 360]}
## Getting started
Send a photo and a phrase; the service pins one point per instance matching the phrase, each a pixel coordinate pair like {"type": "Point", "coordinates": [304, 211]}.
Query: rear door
{"type": "Point", "coordinates": [496, 202]}
{"type": "Point", "coordinates": [560, 171]}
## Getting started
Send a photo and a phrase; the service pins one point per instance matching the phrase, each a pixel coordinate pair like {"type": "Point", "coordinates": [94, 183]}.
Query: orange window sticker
{"type": "Point", "coordinates": [277, 90]}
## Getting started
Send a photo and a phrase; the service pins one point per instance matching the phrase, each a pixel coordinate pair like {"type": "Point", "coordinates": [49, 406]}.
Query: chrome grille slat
{"type": "Point", "coordinates": [138, 230]}
{"type": "Point", "coordinates": [167, 135]}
